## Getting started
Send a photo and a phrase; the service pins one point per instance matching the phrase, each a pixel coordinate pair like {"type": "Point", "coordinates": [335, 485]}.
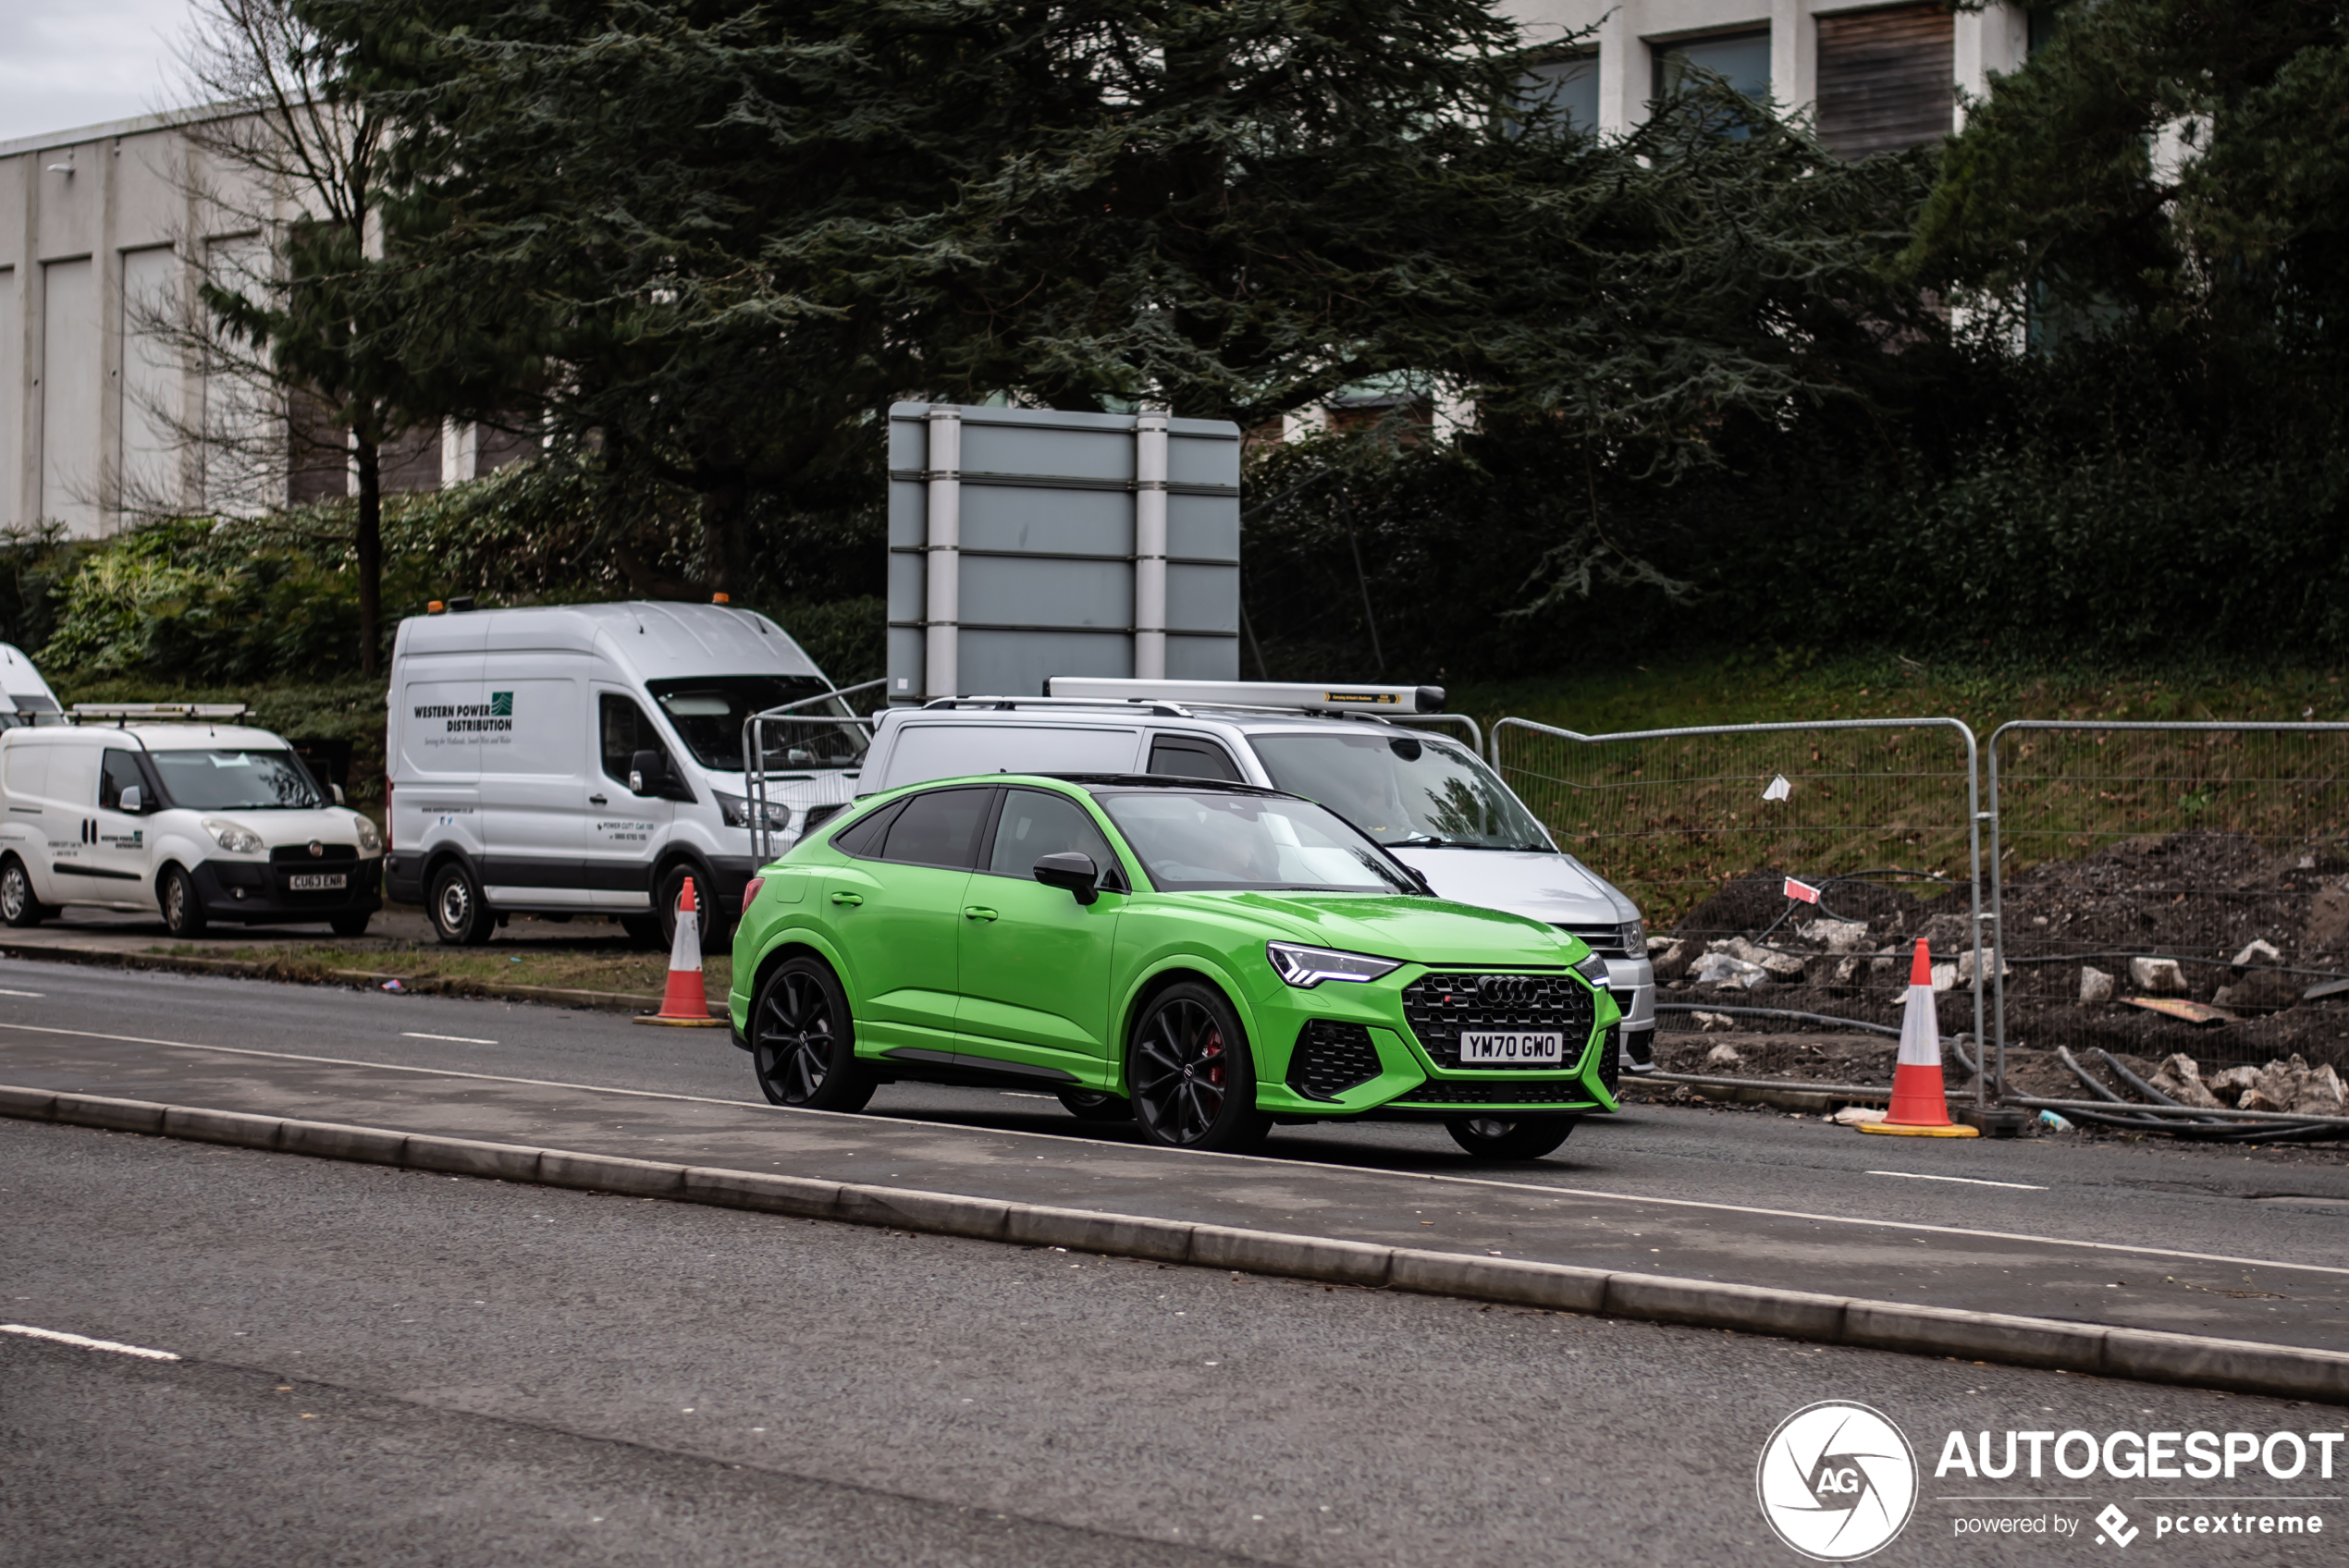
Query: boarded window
{"type": "Point", "coordinates": [1885, 78]}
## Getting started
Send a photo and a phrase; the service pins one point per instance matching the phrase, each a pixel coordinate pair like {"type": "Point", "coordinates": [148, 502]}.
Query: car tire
{"type": "Point", "coordinates": [1493, 1137]}
{"type": "Point", "coordinates": [1192, 1077]}
{"type": "Point", "coordinates": [460, 916]}
{"type": "Point", "coordinates": [18, 907]}
{"type": "Point", "coordinates": [802, 1042]}
{"type": "Point", "coordinates": [645, 931]}
{"type": "Point", "coordinates": [350, 924]}
{"type": "Point", "coordinates": [717, 931]}
{"type": "Point", "coordinates": [1092, 1105]}
{"type": "Point", "coordinates": [183, 913]}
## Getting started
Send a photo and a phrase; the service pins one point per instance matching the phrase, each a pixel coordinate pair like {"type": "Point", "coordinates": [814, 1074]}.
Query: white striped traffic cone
{"type": "Point", "coordinates": [1919, 1109]}
{"type": "Point", "coordinates": [685, 1003]}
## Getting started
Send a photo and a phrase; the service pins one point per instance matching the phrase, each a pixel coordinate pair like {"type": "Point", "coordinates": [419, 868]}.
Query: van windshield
{"type": "Point", "coordinates": [1404, 790]}
{"type": "Point", "coordinates": [235, 779]}
{"type": "Point", "coordinates": [708, 711]}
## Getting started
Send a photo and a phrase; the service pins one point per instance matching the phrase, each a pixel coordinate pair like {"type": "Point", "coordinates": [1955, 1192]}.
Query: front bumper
{"type": "Point", "coordinates": [1348, 1050]}
{"type": "Point", "coordinates": [256, 893]}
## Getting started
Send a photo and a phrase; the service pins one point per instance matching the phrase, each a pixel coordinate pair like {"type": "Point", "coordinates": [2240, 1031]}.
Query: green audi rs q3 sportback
{"type": "Point", "coordinates": [1209, 959]}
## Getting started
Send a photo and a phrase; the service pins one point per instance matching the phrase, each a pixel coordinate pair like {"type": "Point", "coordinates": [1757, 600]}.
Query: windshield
{"type": "Point", "coordinates": [1192, 842]}
{"type": "Point", "coordinates": [1402, 790]}
{"type": "Point", "coordinates": [236, 780]}
{"type": "Point", "coordinates": [708, 713]}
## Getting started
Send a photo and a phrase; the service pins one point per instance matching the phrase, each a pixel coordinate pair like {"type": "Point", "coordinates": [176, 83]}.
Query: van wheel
{"type": "Point", "coordinates": [460, 916]}
{"type": "Point", "coordinates": [1489, 1137]}
{"type": "Point", "coordinates": [18, 906]}
{"type": "Point", "coordinates": [182, 910]}
{"type": "Point", "coordinates": [717, 931]}
{"type": "Point", "coordinates": [349, 925]}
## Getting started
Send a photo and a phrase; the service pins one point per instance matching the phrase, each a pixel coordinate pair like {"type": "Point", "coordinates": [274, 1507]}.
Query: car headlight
{"type": "Point", "coordinates": [735, 811]}
{"type": "Point", "coordinates": [371, 841]}
{"type": "Point", "coordinates": [1308, 967]}
{"type": "Point", "coordinates": [235, 839]}
{"type": "Point", "coordinates": [1593, 969]}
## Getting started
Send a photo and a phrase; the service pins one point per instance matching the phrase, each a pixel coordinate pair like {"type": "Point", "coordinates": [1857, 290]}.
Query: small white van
{"type": "Point", "coordinates": [586, 759]}
{"type": "Point", "coordinates": [197, 821]}
{"type": "Point", "coordinates": [25, 698]}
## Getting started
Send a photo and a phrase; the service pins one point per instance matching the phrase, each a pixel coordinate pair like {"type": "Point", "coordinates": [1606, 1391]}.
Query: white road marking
{"type": "Point", "coordinates": [1543, 1188]}
{"type": "Point", "coordinates": [1969, 1181]}
{"type": "Point", "coordinates": [453, 1039]}
{"type": "Point", "coordinates": [23, 993]}
{"type": "Point", "coordinates": [140, 1351]}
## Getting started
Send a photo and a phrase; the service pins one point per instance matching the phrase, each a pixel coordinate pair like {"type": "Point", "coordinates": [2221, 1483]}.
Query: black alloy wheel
{"type": "Point", "coordinates": [1193, 1081]}
{"type": "Point", "coordinates": [803, 1044]}
{"type": "Point", "coordinates": [460, 916]}
{"type": "Point", "coordinates": [1092, 1105]}
{"type": "Point", "coordinates": [18, 906]}
{"type": "Point", "coordinates": [183, 913]}
{"type": "Point", "coordinates": [1493, 1137]}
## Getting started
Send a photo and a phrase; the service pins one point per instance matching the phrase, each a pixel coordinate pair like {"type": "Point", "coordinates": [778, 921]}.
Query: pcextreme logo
{"type": "Point", "coordinates": [1837, 1481]}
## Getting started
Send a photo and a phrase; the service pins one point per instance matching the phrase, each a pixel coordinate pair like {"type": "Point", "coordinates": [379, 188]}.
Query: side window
{"type": "Point", "coordinates": [1191, 756]}
{"type": "Point", "coordinates": [122, 773]}
{"type": "Point", "coordinates": [939, 828]}
{"type": "Point", "coordinates": [626, 731]}
{"type": "Point", "coordinates": [863, 840]}
{"type": "Point", "coordinates": [1035, 824]}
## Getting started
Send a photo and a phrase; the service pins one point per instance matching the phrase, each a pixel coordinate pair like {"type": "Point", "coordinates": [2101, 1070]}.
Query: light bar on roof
{"type": "Point", "coordinates": [160, 710]}
{"type": "Point", "coordinates": [1255, 693]}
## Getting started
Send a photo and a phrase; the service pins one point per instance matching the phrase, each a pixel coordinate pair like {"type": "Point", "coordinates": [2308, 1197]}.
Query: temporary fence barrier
{"type": "Point", "coordinates": [2166, 887]}
{"type": "Point", "coordinates": [1796, 864]}
{"type": "Point", "coordinates": [793, 761]}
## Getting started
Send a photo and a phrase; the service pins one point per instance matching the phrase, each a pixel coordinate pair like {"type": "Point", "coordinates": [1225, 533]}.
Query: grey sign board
{"type": "Point", "coordinates": [1031, 543]}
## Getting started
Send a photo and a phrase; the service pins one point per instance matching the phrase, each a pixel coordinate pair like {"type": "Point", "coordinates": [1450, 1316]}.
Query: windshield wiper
{"type": "Point", "coordinates": [1431, 840]}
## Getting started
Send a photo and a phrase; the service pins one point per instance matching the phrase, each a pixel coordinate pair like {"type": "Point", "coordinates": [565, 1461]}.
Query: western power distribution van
{"type": "Point", "coordinates": [586, 759]}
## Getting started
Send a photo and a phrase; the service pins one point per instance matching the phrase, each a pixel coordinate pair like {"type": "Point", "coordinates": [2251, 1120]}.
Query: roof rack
{"type": "Point", "coordinates": [1159, 707]}
{"type": "Point", "coordinates": [118, 713]}
{"type": "Point", "coordinates": [1320, 697]}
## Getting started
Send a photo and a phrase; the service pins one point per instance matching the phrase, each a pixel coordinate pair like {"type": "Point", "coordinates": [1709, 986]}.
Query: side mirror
{"type": "Point", "coordinates": [646, 773]}
{"type": "Point", "coordinates": [134, 800]}
{"type": "Point", "coordinates": [337, 789]}
{"type": "Point", "coordinates": [1073, 870]}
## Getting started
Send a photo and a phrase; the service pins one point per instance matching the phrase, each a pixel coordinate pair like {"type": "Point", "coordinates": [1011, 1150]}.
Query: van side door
{"type": "Point", "coordinates": [24, 782]}
{"type": "Point", "coordinates": [121, 861]}
{"type": "Point", "coordinates": [69, 821]}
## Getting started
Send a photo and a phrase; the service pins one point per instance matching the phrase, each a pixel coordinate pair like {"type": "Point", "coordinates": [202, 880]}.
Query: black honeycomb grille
{"type": "Point", "coordinates": [1441, 1007]}
{"type": "Point", "coordinates": [1611, 1061]}
{"type": "Point", "coordinates": [1569, 1092]}
{"type": "Point", "coordinates": [1330, 1058]}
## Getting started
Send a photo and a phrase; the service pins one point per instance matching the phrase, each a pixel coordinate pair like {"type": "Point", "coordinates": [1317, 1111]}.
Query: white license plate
{"type": "Point", "coordinates": [1509, 1049]}
{"type": "Point", "coordinates": [317, 881]}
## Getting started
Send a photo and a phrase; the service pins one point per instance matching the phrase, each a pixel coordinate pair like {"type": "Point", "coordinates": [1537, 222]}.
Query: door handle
{"type": "Point", "coordinates": [975, 913]}
{"type": "Point", "coordinates": [597, 801]}
{"type": "Point", "coordinates": [848, 898]}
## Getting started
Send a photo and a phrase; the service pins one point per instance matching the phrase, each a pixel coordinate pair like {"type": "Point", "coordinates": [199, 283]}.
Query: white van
{"type": "Point", "coordinates": [586, 759]}
{"type": "Point", "coordinates": [1432, 802]}
{"type": "Point", "coordinates": [195, 821]}
{"type": "Point", "coordinates": [25, 698]}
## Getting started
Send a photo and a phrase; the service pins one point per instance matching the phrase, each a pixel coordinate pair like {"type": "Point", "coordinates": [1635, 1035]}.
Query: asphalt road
{"type": "Point", "coordinates": [2290, 1205]}
{"type": "Point", "coordinates": [391, 1367]}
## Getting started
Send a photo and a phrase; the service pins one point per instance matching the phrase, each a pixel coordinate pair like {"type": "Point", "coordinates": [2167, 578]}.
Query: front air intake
{"type": "Point", "coordinates": [1330, 1058]}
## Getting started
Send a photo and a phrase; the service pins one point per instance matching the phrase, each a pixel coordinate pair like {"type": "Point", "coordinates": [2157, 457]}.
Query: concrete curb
{"type": "Point", "coordinates": [2146, 1355]}
{"type": "Point", "coordinates": [357, 979]}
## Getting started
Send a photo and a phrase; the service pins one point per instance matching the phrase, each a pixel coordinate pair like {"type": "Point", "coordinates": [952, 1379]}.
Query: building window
{"type": "Point", "coordinates": [1886, 79]}
{"type": "Point", "coordinates": [1743, 59]}
{"type": "Point", "coordinates": [1568, 87]}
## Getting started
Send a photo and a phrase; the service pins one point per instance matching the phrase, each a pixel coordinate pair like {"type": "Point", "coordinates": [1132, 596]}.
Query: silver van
{"type": "Point", "coordinates": [1429, 799]}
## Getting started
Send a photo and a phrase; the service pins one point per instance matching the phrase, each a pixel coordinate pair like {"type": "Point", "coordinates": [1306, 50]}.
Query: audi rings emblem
{"type": "Point", "coordinates": [1508, 990]}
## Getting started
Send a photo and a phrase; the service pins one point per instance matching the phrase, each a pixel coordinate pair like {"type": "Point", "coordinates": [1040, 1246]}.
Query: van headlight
{"type": "Point", "coordinates": [235, 839]}
{"type": "Point", "coordinates": [371, 841]}
{"type": "Point", "coordinates": [1308, 967]}
{"type": "Point", "coordinates": [735, 811]}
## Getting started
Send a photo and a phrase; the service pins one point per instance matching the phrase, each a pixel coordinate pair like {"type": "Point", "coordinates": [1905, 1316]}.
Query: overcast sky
{"type": "Point", "coordinates": [68, 62]}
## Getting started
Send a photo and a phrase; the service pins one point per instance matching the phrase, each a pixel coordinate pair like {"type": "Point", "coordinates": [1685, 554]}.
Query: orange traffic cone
{"type": "Point", "coordinates": [1918, 1108]}
{"type": "Point", "coordinates": [684, 1004]}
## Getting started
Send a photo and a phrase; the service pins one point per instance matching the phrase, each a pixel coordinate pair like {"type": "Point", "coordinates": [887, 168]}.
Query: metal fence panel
{"type": "Point", "coordinates": [1703, 827]}
{"type": "Point", "coordinates": [2135, 864]}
